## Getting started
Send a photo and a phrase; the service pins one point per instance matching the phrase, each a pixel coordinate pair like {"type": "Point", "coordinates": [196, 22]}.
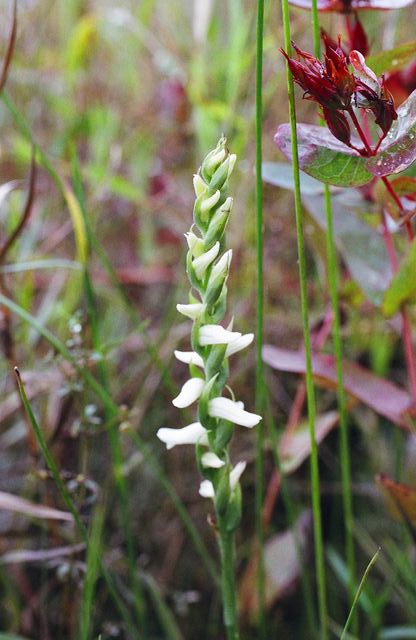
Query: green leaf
{"type": "Point", "coordinates": [392, 60]}
{"type": "Point", "coordinates": [323, 157]}
{"type": "Point", "coordinates": [403, 286]}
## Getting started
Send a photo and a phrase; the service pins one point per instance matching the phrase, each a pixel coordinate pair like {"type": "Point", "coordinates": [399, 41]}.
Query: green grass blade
{"type": "Point", "coordinates": [358, 593]}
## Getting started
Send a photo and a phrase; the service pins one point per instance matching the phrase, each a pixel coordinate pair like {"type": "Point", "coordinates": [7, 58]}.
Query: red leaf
{"type": "Point", "coordinates": [383, 396]}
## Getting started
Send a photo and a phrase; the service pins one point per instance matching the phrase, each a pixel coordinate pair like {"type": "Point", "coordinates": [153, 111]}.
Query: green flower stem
{"type": "Point", "coordinates": [259, 491]}
{"type": "Point", "coordinates": [315, 482]}
{"type": "Point", "coordinates": [333, 281]}
{"type": "Point", "coordinates": [229, 598]}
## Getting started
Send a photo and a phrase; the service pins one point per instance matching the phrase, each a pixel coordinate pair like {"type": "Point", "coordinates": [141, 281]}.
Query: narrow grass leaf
{"type": "Point", "coordinates": [358, 593]}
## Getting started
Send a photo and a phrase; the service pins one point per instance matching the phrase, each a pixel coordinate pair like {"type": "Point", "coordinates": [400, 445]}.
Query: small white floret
{"type": "Point", "coordinates": [190, 392]}
{"type": "Point", "coordinates": [206, 488]}
{"type": "Point", "coordinates": [191, 434]}
{"type": "Point", "coordinates": [227, 409]}
{"type": "Point", "coordinates": [189, 357]}
{"type": "Point", "coordinates": [216, 334]}
{"type": "Point", "coordinates": [192, 311]}
{"type": "Point", "coordinates": [239, 344]}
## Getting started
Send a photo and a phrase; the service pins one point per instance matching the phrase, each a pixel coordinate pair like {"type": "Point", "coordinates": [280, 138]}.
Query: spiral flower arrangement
{"type": "Point", "coordinates": [208, 264]}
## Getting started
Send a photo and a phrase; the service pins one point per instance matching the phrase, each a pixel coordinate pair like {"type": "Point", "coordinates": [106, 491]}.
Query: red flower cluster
{"type": "Point", "coordinates": [334, 87]}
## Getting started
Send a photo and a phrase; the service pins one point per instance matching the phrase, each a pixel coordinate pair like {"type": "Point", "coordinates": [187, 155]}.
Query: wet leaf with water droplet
{"type": "Point", "coordinates": [398, 151]}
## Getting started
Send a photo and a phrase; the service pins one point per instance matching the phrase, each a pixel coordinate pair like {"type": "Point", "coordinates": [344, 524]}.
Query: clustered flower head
{"type": "Point", "coordinates": [337, 89]}
{"type": "Point", "coordinates": [208, 264]}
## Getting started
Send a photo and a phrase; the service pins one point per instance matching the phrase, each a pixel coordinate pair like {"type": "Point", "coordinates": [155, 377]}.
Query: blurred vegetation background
{"type": "Point", "coordinates": [121, 101]}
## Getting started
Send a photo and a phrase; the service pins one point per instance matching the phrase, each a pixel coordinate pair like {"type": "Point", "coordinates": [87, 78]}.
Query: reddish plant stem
{"type": "Point", "coordinates": [391, 251]}
{"type": "Point", "coordinates": [360, 132]}
{"type": "Point", "coordinates": [396, 199]}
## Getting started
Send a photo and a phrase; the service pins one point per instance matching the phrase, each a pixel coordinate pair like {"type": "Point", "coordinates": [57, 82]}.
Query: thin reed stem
{"type": "Point", "coordinates": [333, 280]}
{"type": "Point", "coordinates": [310, 391]}
{"type": "Point", "coordinates": [259, 495]}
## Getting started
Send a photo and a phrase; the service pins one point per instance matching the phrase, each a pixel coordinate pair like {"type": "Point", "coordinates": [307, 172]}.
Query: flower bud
{"type": "Point", "coordinates": [217, 278]}
{"type": "Point", "coordinates": [202, 263]}
{"type": "Point", "coordinates": [202, 208]}
{"type": "Point", "coordinates": [218, 223]}
{"type": "Point", "coordinates": [213, 160]}
{"type": "Point", "coordinates": [200, 186]}
{"type": "Point", "coordinates": [210, 460]}
{"type": "Point", "coordinates": [195, 244]}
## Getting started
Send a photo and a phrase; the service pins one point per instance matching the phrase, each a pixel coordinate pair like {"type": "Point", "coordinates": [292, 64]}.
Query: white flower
{"type": "Point", "coordinates": [210, 459]}
{"type": "Point", "coordinates": [206, 488]}
{"type": "Point", "coordinates": [189, 357]}
{"type": "Point", "coordinates": [191, 434]}
{"type": "Point", "coordinates": [222, 265]}
{"type": "Point", "coordinates": [202, 263]}
{"type": "Point", "coordinates": [233, 411]}
{"type": "Point", "coordinates": [190, 392]}
{"type": "Point", "coordinates": [239, 344]}
{"type": "Point", "coordinates": [216, 334]}
{"type": "Point", "coordinates": [192, 311]}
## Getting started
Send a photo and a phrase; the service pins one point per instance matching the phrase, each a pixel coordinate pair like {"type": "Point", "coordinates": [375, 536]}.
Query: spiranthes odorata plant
{"type": "Point", "coordinates": [208, 264]}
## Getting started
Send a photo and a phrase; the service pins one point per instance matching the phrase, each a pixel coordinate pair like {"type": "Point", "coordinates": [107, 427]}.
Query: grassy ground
{"type": "Point", "coordinates": [121, 101]}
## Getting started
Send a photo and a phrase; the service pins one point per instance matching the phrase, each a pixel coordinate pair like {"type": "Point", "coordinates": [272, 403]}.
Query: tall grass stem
{"type": "Point", "coordinates": [310, 391]}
